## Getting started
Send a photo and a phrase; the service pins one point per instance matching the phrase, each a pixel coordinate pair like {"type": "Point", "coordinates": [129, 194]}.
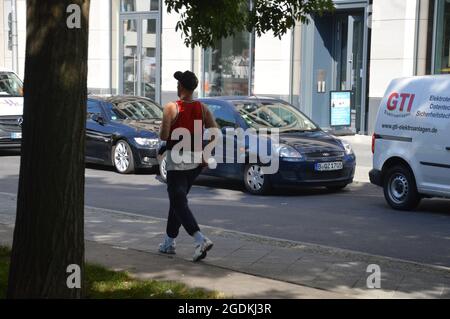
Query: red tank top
{"type": "Point", "coordinates": [188, 112]}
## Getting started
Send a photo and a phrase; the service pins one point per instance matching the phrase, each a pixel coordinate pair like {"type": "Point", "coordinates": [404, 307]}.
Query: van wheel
{"type": "Point", "coordinates": [400, 188]}
{"type": "Point", "coordinates": [255, 181]}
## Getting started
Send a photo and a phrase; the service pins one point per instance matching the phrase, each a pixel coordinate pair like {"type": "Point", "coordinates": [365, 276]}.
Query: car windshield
{"type": "Point", "coordinates": [10, 85]}
{"type": "Point", "coordinates": [137, 110]}
{"type": "Point", "coordinates": [268, 114]}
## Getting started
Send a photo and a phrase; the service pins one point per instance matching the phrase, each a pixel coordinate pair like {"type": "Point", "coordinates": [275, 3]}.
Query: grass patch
{"type": "Point", "coordinates": [102, 283]}
{"type": "Point", "coordinates": [4, 270]}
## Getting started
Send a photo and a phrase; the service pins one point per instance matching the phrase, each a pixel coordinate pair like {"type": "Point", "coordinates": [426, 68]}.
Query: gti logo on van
{"type": "Point", "coordinates": [400, 104]}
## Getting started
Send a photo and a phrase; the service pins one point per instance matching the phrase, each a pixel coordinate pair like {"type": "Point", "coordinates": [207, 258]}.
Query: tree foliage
{"type": "Point", "coordinates": [203, 22]}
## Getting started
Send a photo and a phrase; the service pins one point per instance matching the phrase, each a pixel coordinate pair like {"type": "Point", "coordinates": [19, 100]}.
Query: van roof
{"type": "Point", "coordinates": [418, 77]}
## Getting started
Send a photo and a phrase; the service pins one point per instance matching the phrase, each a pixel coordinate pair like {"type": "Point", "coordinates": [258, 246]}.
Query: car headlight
{"type": "Point", "coordinates": [287, 152]}
{"type": "Point", "coordinates": [148, 142]}
{"type": "Point", "coordinates": [347, 147]}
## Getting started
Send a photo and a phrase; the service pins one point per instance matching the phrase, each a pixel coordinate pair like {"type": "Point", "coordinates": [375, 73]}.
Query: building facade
{"type": "Point", "coordinates": [345, 58]}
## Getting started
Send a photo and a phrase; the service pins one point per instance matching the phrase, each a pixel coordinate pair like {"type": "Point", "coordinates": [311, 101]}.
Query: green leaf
{"type": "Point", "coordinates": [203, 22]}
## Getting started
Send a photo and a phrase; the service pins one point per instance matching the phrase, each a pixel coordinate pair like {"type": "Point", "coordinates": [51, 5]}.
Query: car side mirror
{"type": "Point", "coordinates": [98, 118]}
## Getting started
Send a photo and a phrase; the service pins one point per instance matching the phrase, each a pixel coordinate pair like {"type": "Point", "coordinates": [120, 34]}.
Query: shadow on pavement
{"type": "Point", "coordinates": [7, 153]}
{"type": "Point", "coordinates": [107, 168]}
{"type": "Point", "coordinates": [346, 278]}
{"type": "Point", "coordinates": [223, 183]}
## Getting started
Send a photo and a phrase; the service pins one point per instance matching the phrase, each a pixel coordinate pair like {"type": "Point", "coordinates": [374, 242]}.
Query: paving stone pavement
{"type": "Point", "coordinates": [323, 271]}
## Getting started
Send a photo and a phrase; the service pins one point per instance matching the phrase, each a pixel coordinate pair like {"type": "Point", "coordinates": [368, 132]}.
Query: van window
{"type": "Point", "coordinates": [10, 85]}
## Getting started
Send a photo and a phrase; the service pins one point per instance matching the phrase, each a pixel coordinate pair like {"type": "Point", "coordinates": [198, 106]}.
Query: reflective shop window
{"type": "Point", "coordinates": [139, 5]}
{"type": "Point", "coordinates": [227, 67]}
{"type": "Point", "coordinates": [442, 58]}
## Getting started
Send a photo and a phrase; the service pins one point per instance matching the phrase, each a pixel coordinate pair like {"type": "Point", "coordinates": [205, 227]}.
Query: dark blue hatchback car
{"type": "Point", "coordinates": [308, 156]}
{"type": "Point", "coordinates": [123, 131]}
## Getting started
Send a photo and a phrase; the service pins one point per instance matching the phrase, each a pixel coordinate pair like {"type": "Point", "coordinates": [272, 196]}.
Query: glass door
{"type": "Point", "coordinates": [350, 61]}
{"type": "Point", "coordinates": [355, 66]}
{"type": "Point", "coordinates": [442, 40]}
{"type": "Point", "coordinates": [129, 59]}
{"type": "Point", "coordinates": [149, 65]}
{"type": "Point", "coordinates": [139, 55]}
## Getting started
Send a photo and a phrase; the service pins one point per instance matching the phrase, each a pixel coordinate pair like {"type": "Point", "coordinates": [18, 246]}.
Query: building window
{"type": "Point", "coordinates": [131, 25]}
{"type": "Point", "coordinates": [227, 66]}
{"type": "Point", "coordinates": [139, 5]}
{"type": "Point", "coordinates": [442, 44]}
{"type": "Point", "coordinates": [150, 52]}
{"type": "Point", "coordinates": [151, 26]}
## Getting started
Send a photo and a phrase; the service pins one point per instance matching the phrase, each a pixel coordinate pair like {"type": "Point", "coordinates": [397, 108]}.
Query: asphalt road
{"type": "Point", "coordinates": [357, 218]}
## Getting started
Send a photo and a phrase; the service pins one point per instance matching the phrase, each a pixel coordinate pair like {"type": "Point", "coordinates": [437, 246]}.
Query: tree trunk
{"type": "Point", "coordinates": [49, 232]}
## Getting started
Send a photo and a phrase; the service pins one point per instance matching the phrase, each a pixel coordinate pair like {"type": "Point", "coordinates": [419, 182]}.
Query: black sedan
{"type": "Point", "coordinates": [123, 131]}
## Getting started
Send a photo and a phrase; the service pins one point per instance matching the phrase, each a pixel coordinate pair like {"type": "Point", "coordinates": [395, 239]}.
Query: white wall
{"type": "Point", "coordinates": [115, 40]}
{"type": "Point", "coordinates": [272, 65]}
{"type": "Point", "coordinates": [175, 56]}
{"type": "Point", "coordinates": [393, 42]}
{"type": "Point", "coordinates": [99, 60]}
{"type": "Point", "coordinates": [21, 34]}
{"type": "Point", "coordinates": [5, 53]}
{"type": "Point", "coordinates": [394, 24]}
{"type": "Point", "coordinates": [99, 48]}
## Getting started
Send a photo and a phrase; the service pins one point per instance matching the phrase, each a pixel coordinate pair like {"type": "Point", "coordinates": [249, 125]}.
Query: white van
{"type": "Point", "coordinates": [411, 144]}
{"type": "Point", "coordinates": [11, 110]}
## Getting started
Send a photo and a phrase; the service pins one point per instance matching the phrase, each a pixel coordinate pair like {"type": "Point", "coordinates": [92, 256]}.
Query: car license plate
{"type": "Point", "coordinates": [17, 135]}
{"type": "Point", "coordinates": [332, 166]}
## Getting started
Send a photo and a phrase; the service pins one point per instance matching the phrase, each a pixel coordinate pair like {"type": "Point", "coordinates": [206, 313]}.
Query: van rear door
{"type": "Point", "coordinates": [433, 116]}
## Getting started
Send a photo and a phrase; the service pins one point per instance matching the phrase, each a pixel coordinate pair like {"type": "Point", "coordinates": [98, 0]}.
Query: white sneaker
{"type": "Point", "coordinates": [202, 249]}
{"type": "Point", "coordinates": [167, 249]}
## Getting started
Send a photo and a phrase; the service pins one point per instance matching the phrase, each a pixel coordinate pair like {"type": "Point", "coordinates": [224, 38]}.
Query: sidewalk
{"type": "Point", "coordinates": [243, 265]}
{"type": "Point", "coordinates": [362, 146]}
{"type": "Point", "coordinates": [150, 265]}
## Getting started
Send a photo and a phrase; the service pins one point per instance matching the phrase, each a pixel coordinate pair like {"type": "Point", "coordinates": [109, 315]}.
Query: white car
{"type": "Point", "coordinates": [11, 110]}
{"type": "Point", "coordinates": [411, 144]}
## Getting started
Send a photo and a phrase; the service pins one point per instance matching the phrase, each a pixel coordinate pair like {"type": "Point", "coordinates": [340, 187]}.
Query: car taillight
{"type": "Point", "coordinates": [373, 143]}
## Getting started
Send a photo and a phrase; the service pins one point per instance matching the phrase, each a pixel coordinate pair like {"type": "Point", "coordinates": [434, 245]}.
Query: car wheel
{"type": "Point", "coordinates": [400, 188]}
{"type": "Point", "coordinates": [255, 181]}
{"type": "Point", "coordinates": [123, 157]}
{"type": "Point", "coordinates": [163, 167]}
{"type": "Point", "coordinates": [336, 188]}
